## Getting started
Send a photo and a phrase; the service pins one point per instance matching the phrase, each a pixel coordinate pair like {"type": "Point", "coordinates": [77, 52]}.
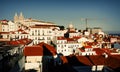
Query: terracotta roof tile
{"type": "Point", "coordinates": [97, 59]}
{"type": "Point", "coordinates": [24, 32]}
{"type": "Point", "coordinates": [20, 30]}
{"type": "Point", "coordinates": [113, 61]}
{"type": "Point", "coordinates": [82, 50]}
{"type": "Point", "coordinates": [71, 39]}
{"type": "Point", "coordinates": [77, 37]}
{"type": "Point", "coordinates": [42, 26]}
{"type": "Point", "coordinates": [12, 32]}
{"type": "Point", "coordinates": [84, 60]}
{"type": "Point", "coordinates": [33, 51]}
{"type": "Point", "coordinates": [106, 50]}
{"type": "Point", "coordinates": [87, 46]}
{"type": "Point", "coordinates": [4, 32]}
{"type": "Point", "coordinates": [21, 41]}
{"type": "Point", "coordinates": [61, 38]}
{"type": "Point", "coordinates": [4, 24]}
{"type": "Point", "coordinates": [64, 59]}
{"type": "Point", "coordinates": [48, 47]}
{"type": "Point", "coordinates": [98, 51]}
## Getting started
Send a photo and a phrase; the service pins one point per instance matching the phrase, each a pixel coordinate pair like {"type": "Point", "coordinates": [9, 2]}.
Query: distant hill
{"type": "Point", "coordinates": [112, 32]}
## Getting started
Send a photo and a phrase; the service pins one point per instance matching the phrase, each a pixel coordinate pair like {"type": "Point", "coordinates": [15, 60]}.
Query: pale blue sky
{"type": "Point", "coordinates": [103, 13]}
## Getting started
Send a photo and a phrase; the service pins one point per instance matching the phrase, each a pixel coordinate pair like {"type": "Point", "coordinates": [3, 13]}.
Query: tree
{"type": "Point", "coordinates": [61, 27]}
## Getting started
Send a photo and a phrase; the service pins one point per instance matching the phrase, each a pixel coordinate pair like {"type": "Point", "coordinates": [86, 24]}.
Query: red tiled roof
{"type": "Point", "coordinates": [108, 51]}
{"type": "Point", "coordinates": [84, 60]}
{"type": "Point", "coordinates": [20, 30]}
{"type": "Point", "coordinates": [21, 41]}
{"type": "Point", "coordinates": [87, 47]}
{"type": "Point", "coordinates": [33, 51]}
{"type": "Point", "coordinates": [5, 20]}
{"type": "Point", "coordinates": [68, 39]}
{"type": "Point", "coordinates": [91, 43]}
{"type": "Point", "coordinates": [4, 32]}
{"type": "Point", "coordinates": [39, 50]}
{"type": "Point", "coordinates": [13, 43]}
{"type": "Point", "coordinates": [4, 24]}
{"type": "Point", "coordinates": [101, 51]}
{"type": "Point", "coordinates": [55, 29]}
{"type": "Point", "coordinates": [24, 32]}
{"type": "Point", "coordinates": [77, 37]}
{"type": "Point", "coordinates": [97, 59]}
{"type": "Point", "coordinates": [42, 26]}
{"type": "Point", "coordinates": [71, 39]}
{"type": "Point", "coordinates": [61, 38]}
{"type": "Point", "coordinates": [49, 47]}
{"type": "Point", "coordinates": [38, 27]}
{"type": "Point", "coordinates": [72, 31]}
{"type": "Point", "coordinates": [64, 59]}
{"type": "Point", "coordinates": [82, 50]}
{"type": "Point", "coordinates": [113, 61]}
{"type": "Point", "coordinates": [12, 32]}
{"type": "Point", "coordinates": [98, 51]}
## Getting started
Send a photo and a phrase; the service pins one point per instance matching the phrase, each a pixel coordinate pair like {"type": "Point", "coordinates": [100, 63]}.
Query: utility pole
{"type": "Point", "coordinates": [86, 23]}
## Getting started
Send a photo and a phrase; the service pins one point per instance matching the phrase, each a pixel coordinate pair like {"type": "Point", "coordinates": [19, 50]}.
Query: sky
{"type": "Point", "coordinates": [100, 13]}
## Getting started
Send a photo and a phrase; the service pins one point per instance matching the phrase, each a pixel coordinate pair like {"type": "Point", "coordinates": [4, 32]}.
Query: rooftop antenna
{"type": "Point", "coordinates": [86, 21]}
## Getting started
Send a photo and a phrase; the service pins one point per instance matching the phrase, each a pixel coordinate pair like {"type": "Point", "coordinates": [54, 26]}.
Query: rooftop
{"type": "Point", "coordinates": [40, 50]}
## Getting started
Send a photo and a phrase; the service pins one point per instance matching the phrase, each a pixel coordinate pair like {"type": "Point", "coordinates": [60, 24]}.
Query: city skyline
{"type": "Point", "coordinates": [102, 13]}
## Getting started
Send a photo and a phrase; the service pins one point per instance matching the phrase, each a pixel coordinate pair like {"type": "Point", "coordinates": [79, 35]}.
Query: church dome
{"type": "Point", "coordinates": [70, 26]}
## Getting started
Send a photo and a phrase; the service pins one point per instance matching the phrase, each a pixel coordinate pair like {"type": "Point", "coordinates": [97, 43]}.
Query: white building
{"type": "Point", "coordinates": [96, 30]}
{"type": "Point", "coordinates": [12, 26]}
{"type": "Point", "coordinates": [86, 50]}
{"type": "Point", "coordinates": [67, 46]}
{"type": "Point", "coordinates": [33, 58]}
{"type": "Point", "coordinates": [41, 33]}
{"type": "Point", "coordinates": [5, 35]}
{"type": "Point", "coordinates": [5, 27]}
{"type": "Point", "coordinates": [72, 32]}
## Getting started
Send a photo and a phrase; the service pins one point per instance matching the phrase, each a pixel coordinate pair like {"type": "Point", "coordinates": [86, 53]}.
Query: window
{"type": "Point", "coordinates": [65, 45]}
{"type": "Point", "coordinates": [35, 30]}
{"type": "Point", "coordinates": [38, 61]}
{"type": "Point", "coordinates": [65, 49]}
{"type": "Point", "coordinates": [43, 38]}
{"type": "Point", "coordinates": [49, 31]}
{"type": "Point", "coordinates": [7, 36]}
{"type": "Point", "coordinates": [21, 37]}
{"type": "Point", "coordinates": [61, 42]}
{"type": "Point", "coordinates": [3, 30]}
{"type": "Point", "coordinates": [36, 38]}
{"type": "Point", "coordinates": [29, 61]}
{"type": "Point", "coordinates": [58, 45]}
{"type": "Point", "coordinates": [43, 33]}
{"type": "Point", "coordinates": [32, 32]}
{"type": "Point", "coordinates": [62, 46]}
